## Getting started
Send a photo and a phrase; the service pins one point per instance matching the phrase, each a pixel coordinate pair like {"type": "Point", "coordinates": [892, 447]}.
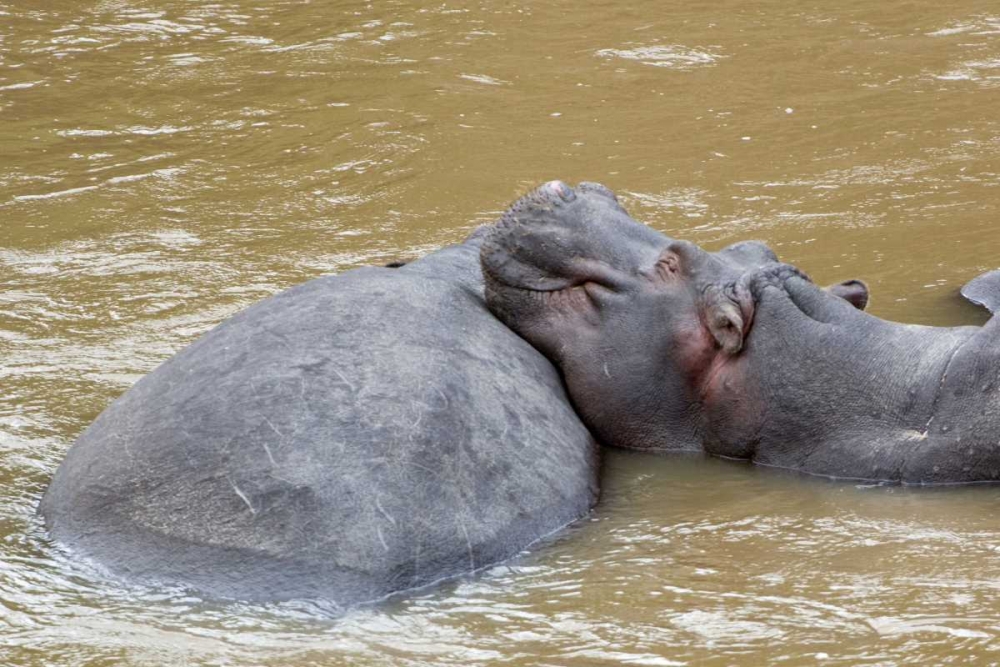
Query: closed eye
{"type": "Point", "coordinates": [597, 292]}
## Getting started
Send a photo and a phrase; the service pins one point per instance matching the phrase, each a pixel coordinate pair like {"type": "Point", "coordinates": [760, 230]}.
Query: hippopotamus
{"type": "Point", "coordinates": [350, 438]}
{"type": "Point", "coordinates": [666, 347]}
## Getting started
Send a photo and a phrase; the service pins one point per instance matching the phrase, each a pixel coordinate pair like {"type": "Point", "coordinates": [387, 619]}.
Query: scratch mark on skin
{"type": "Point", "coordinates": [447, 403]}
{"type": "Point", "coordinates": [606, 369]}
{"type": "Point", "coordinates": [381, 509]}
{"type": "Point", "coordinates": [381, 538]}
{"type": "Point", "coordinates": [468, 544]}
{"type": "Point", "coordinates": [282, 338]}
{"type": "Point", "coordinates": [126, 445]}
{"type": "Point", "coordinates": [270, 456]}
{"type": "Point", "coordinates": [225, 448]}
{"type": "Point", "coordinates": [343, 379]}
{"type": "Point", "coordinates": [422, 467]}
{"type": "Point", "coordinates": [944, 379]}
{"type": "Point", "coordinates": [273, 427]}
{"type": "Point", "coordinates": [242, 495]}
{"type": "Point", "coordinates": [283, 479]}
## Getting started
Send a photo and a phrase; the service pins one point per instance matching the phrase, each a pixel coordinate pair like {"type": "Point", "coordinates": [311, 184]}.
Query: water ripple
{"type": "Point", "coordinates": [672, 56]}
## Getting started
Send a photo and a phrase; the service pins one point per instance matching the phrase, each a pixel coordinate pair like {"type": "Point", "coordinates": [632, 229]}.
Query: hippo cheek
{"type": "Point", "coordinates": [694, 352]}
{"type": "Point", "coordinates": [733, 410]}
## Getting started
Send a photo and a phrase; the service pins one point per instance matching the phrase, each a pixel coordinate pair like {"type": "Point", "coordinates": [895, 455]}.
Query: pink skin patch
{"type": "Point", "coordinates": [696, 353]}
{"type": "Point", "coordinates": [560, 189]}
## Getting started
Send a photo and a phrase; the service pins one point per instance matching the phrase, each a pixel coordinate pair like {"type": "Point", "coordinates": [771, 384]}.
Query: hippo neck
{"type": "Point", "coordinates": [458, 264]}
{"type": "Point", "coordinates": [865, 395]}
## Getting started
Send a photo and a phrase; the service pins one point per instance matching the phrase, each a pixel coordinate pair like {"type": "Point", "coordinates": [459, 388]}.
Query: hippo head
{"type": "Point", "coordinates": [637, 322]}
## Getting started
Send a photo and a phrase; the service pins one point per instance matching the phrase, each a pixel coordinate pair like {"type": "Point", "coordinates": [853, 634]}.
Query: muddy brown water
{"type": "Point", "coordinates": [163, 165]}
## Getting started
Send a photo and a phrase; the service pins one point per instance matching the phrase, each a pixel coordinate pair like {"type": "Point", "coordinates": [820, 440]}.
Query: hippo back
{"type": "Point", "coordinates": [351, 437]}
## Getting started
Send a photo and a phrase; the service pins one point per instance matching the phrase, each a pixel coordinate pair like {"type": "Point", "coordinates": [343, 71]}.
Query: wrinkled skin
{"type": "Point", "coordinates": [352, 437]}
{"type": "Point", "coordinates": [664, 346]}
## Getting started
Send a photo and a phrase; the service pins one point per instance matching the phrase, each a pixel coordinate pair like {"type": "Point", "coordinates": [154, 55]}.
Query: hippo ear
{"type": "Point", "coordinates": [706, 273]}
{"type": "Point", "coordinates": [984, 291]}
{"type": "Point", "coordinates": [726, 324]}
{"type": "Point", "coordinates": [853, 292]}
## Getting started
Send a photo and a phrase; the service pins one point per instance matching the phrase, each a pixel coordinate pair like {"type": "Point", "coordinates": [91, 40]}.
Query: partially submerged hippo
{"type": "Point", "coordinates": [666, 347]}
{"type": "Point", "coordinates": [349, 438]}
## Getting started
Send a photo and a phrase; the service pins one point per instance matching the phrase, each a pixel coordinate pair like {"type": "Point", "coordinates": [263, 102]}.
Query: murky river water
{"type": "Point", "coordinates": [163, 165]}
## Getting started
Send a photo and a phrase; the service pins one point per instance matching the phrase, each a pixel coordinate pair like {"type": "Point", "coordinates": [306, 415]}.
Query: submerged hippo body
{"type": "Point", "coordinates": [666, 347]}
{"type": "Point", "coordinates": [351, 437]}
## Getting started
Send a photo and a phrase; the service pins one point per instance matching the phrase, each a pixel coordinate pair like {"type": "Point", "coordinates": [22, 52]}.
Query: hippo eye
{"type": "Point", "coordinates": [580, 298]}
{"type": "Point", "coordinates": [596, 292]}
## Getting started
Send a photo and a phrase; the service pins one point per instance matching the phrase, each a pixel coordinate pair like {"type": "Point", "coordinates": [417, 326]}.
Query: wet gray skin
{"type": "Point", "coordinates": [666, 347]}
{"type": "Point", "coordinates": [352, 437]}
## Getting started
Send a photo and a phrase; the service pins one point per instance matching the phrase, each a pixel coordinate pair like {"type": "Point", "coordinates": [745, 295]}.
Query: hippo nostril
{"type": "Point", "coordinates": [559, 188]}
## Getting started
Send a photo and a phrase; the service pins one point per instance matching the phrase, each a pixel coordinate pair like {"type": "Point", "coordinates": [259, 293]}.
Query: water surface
{"type": "Point", "coordinates": [163, 165]}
